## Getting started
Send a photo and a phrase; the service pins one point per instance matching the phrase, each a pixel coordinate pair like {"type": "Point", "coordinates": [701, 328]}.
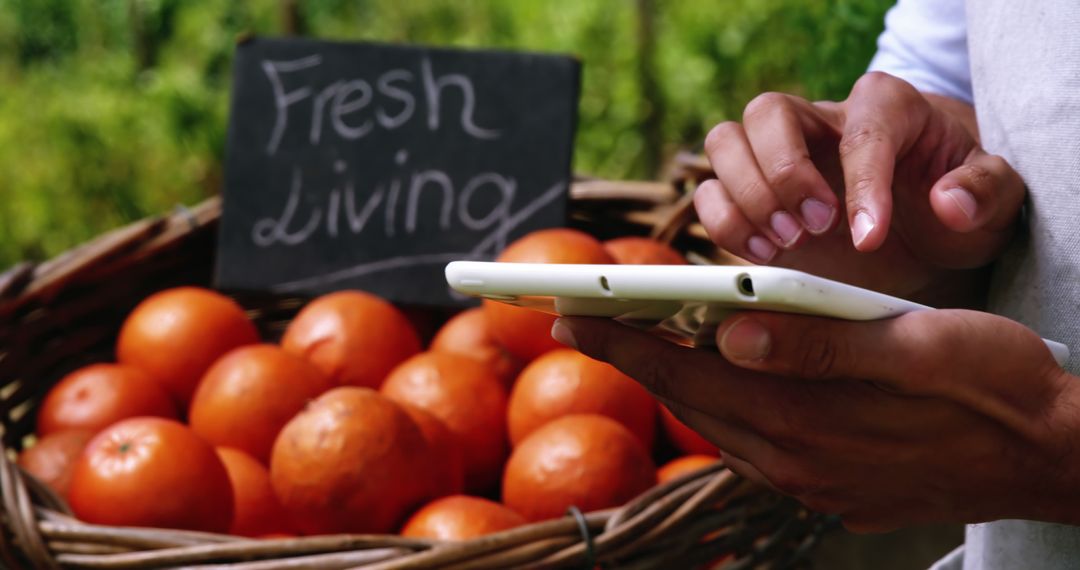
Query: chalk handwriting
{"type": "Point", "coordinates": [418, 183]}
{"type": "Point", "coordinates": [433, 88]}
{"type": "Point", "coordinates": [282, 100]}
{"type": "Point", "coordinates": [269, 231]}
{"type": "Point", "coordinates": [485, 249]}
{"type": "Point", "coordinates": [408, 102]}
{"type": "Point", "coordinates": [343, 102]}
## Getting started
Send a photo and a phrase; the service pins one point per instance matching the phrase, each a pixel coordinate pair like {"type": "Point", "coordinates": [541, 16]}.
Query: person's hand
{"type": "Point", "coordinates": [886, 190]}
{"type": "Point", "coordinates": [933, 416]}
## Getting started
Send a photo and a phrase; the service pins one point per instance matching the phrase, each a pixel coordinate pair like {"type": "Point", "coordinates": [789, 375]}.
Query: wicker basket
{"type": "Point", "coordinates": [64, 313]}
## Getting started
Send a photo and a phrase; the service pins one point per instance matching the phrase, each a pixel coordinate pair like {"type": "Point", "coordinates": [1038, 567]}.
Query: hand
{"type": "Point", "coordinates": [932, 416]}
{"type": "Point", "coordinates": [922, 200]}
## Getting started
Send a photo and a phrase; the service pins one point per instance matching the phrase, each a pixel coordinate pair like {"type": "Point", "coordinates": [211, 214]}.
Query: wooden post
{"type": "Point", "coordinates": [292, 20]}
{"type": "Point", "coordinates": [652, 98]}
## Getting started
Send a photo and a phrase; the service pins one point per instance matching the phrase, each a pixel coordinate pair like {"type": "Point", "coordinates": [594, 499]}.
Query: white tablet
{"type": "Point", "coordinates": [686, 301]}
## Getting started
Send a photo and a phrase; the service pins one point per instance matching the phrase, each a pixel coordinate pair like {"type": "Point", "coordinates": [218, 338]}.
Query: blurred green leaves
{"type": "Point", "coordinates": [111, 110]}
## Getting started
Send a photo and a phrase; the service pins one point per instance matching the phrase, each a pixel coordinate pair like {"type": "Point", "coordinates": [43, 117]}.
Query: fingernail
{"type": "Point", "coordinates": [861, 226]}
{"type": "Point", "coordinates": [761, 248]}
{"type": "Point", "coordinates": [817, 214]}
{"type": "Point", "coordinates": [746, 340]}
{"type": "Point", "coordinates": [563, 334]}
{"type": "Point", "coordinates": [964, 200]}
{"type": "Point", "coordinates": [786, 226]}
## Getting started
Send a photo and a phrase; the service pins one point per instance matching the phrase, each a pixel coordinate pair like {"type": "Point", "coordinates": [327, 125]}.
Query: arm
{"type": "Point", "coordinates": [932, 416]}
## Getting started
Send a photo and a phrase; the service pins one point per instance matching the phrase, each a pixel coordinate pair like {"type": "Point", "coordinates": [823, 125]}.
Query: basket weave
{"type": "Point", "coordinates": [65, 313]}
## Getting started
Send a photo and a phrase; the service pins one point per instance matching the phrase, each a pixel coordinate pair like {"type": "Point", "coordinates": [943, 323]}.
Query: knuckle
{"type": "Point", "coordinates": [876, 83]}
{"type": "Point", "coordinates": [997, 163]}
{"type": "Point", "coordinates": [727, 222]}
{"type": "Point", "coordinates": [862, 185]}
{"type": "Point", "coordinates": [820, 355]}
{"type": "Point", "coordinates": [978, 176]}
{"type": "Point", "coordinates": [880, 86]}
{"type": "Point", "coordinates": [723, 223]}
{"type": "Point", "coordinates": [1011, 178]}
{"type": "Point", "coordinates": [719, 135]}
{"type": "Point", "coordinates": [787, 170]}
{"type": "Point", "coordinates": [764, 104]}
{"type": "Point", "coordinates": [754, 191]}
{"type": "Point", "coordinates": [707, 187]}
{"type": "Point", "coordinates": [859, 137]}
{"type": "Point", "coordinates": [874, 80]}
{"type": "Point", "coordinates": [710, 185]}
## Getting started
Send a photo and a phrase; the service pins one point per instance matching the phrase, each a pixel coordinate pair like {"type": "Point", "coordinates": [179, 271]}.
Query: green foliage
{"type": "Point", "coordinates": [111, 110]}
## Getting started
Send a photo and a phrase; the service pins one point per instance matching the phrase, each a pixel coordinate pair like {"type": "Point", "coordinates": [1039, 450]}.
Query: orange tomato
{"type": "Point", "coordinates": [352, 461]}
{"type": "Point", "coordinates": [99, 395]}
{"type": "Point", "coordinates": [175, 335]}
{"type": "Point", "coordinates": [256, 509]}
{"type": "Point", "coordinates": [685, 439]}
{"type": "Point", "coordinates": [682, 465]}
{"type": "Point", "coordinates": [355, 338]}
{"type": "Point", "coordinates": [461, 517]}
{"type": "Point", "coordinates": [524, 332]}
{"type": "Point", "coordinates": [447, 458]}
{"type": "Point", "coordinates": [588, 461]}
{"type": "Point", "coordinates": [249, 394]}
{"type": "Point", "coordinates": [53, 457]}
{"type": "Point", "coordinates": [564, 382]}
{"type": "Point", "coordinates": [468, 333]}
{"type": "Point", "coordinates": [642, 251]}
{"type": "Point", "coordinates": [466, 395]}
{"type": "Point", "coordinates": [151, 472]}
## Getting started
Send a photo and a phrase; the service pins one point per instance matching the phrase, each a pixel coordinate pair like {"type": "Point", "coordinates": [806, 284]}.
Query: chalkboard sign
{"type": "Point", "coordinates": [359, 165]}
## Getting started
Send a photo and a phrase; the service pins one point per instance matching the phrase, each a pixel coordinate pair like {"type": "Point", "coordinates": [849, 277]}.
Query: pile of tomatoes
{"type": "Point", "coordinates": [348, 425]}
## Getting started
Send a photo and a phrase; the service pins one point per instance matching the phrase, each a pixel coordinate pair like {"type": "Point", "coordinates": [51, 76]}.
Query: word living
{"type": "Point", "coordinates": [342, 102]}
{"type": "Point", "coordinates": [399, 202]}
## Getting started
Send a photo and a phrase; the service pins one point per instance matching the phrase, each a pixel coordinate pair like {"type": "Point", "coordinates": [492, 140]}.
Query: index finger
{"type": "Point", "coordinates": [884, 115]}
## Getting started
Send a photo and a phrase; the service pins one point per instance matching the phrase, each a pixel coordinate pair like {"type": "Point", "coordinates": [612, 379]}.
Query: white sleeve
{"type": "Point", "coordinates": [925, 43]}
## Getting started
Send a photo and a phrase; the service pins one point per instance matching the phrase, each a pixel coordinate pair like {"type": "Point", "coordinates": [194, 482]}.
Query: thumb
{"type": "Point", "coordinates": [915, 352]}
{"type": "Point", "coordinates": [983, 194]}
{"type": "Point", "coordinates": [983, 361]}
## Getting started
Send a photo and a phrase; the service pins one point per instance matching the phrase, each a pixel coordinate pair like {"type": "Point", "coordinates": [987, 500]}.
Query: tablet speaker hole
{"type": "Point", "coordinates": [604, 285]}
{"type": "Point", "coordinates": [745, 285]}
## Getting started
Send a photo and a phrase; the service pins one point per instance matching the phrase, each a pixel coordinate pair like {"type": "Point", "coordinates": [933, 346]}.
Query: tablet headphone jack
{"type": "Point", "coordinates": [745, 285]}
